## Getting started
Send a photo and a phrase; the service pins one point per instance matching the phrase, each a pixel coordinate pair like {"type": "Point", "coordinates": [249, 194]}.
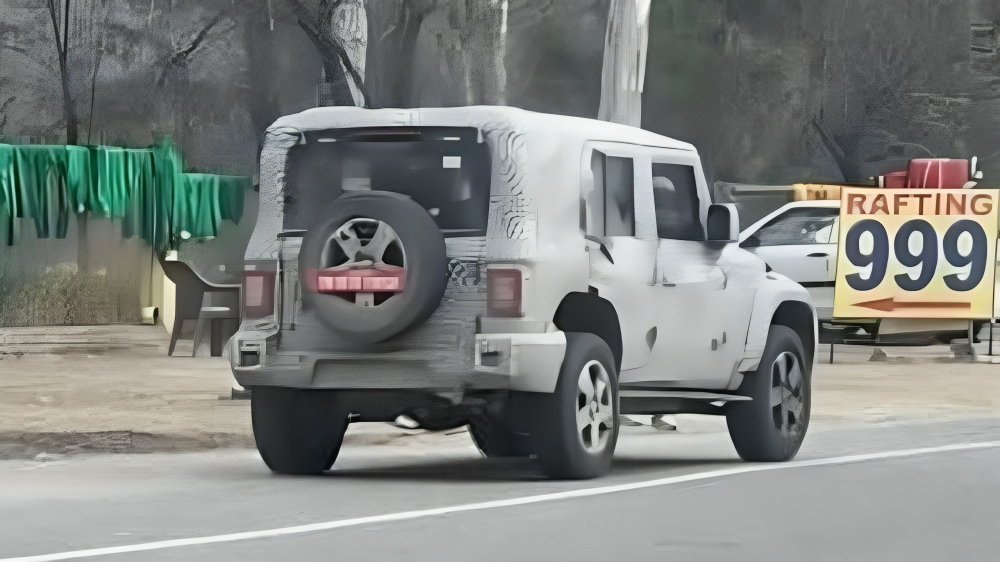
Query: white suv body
{"type": "Point", "coordinates": [591, 227]}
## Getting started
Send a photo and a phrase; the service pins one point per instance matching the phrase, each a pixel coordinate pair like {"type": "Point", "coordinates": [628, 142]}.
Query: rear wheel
{"type": "Point", "coordinates": [772, 426]}
{"type": "Point", "coordinates": [297, 431]}
{"type": "Point", "coordinates": [576, 427]}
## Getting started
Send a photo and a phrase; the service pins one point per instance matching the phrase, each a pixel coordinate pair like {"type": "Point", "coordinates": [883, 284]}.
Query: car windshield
{"type": "Point", "coordinates": [797, 226]}
{"type": "Point", "coordinates": [445, 170]}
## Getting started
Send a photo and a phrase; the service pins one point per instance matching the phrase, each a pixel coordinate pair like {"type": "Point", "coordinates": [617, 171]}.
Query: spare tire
{"type": "Point", "coordinates": [358, 231]}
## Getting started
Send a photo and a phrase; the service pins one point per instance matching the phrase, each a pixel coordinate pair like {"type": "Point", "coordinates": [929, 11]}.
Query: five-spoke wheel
{"type": "Point", "coordinates": [595, 417]}
{"type": "Point", "coordinates": [364, 240]}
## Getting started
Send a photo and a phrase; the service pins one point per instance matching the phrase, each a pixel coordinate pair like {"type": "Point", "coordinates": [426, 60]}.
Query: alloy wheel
{"type": "Point", "coordinates": [787, 388]}
{"type": "Point", "coordinates": [364, 241]}
{"type": "Point", "coordinates": [595, 407]}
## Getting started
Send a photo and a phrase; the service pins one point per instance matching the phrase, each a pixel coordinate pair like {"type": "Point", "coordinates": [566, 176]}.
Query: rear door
{"type": "Point", "coordinates": [800, 242]}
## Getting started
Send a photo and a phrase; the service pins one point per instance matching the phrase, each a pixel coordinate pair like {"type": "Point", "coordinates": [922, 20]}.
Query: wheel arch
{"type": "Point", "coordinates": [798, 316]}
{"type": "Point", "coordinates": [587, 312]}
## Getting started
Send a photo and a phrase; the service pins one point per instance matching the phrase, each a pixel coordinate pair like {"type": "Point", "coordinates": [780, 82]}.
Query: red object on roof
{"type": "Point", "coordinates": [895, 180]}
{"type": "Point", "coordinates": [933, 173]}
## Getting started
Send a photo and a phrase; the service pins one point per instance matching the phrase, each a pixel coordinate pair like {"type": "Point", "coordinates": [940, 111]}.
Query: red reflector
{"type": "Point", "coordinates": [381, 283]}
{"type": "Point", "coordinates": [329, 283]}
{"type": "Point", "coordinates": [503, 293]}
{"type": "Point", "coordinates": [379, 278]}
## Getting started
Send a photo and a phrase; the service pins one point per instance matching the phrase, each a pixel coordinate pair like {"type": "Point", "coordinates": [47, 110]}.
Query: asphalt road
{"type": "Point", "coordinates": [939, 504]}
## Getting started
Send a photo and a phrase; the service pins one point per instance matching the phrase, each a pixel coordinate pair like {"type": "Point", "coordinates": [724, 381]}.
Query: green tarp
{"type": "Point", "coordinates": [144, 188]}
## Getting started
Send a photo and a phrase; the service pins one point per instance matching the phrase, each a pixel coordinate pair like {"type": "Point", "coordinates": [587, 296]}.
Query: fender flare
{"type": "Point", "coordinates": [785, 303]}
{"type": "Point", "coordinates": [587, 312]}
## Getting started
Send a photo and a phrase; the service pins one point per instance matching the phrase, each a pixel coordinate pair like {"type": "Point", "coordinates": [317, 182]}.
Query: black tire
{"type": "Point", "coordinates": [298, 431]}
{"type": "Point", "coordinates": [561, 449]}
{"type": "Point", "coordinates": [761, 429]}
{"type": "Point", "coordinates": [426, 267]}
{"type": "Point", "coordinates": [493, 435]}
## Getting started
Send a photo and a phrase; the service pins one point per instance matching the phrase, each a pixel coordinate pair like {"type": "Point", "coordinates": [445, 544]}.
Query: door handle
{"type": "Point", "coordinates": [818, 255]}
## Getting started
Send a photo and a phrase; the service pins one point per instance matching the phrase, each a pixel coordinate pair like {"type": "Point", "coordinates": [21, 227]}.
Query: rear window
{"type": "Point", "coordinates": [444, 169]}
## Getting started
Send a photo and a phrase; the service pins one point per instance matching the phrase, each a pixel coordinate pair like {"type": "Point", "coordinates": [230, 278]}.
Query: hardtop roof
{"type": "Point", "coordinates": [579, 128]}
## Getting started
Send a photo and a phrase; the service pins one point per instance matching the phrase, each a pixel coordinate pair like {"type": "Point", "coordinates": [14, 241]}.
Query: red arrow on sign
{"type": "Point", "coordinates": [887, 305]}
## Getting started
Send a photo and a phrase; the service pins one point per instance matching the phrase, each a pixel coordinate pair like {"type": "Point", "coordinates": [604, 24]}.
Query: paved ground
{"type": "Point", "coordinates": [61, 401]}
{"type": "Point", "coordinates": [931, 507]}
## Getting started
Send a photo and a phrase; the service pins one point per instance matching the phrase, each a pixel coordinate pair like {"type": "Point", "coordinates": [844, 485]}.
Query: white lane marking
{"type": "Point", "coordinates": [586, 492]}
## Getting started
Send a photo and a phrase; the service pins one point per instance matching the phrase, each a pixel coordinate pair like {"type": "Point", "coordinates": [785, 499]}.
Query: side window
{"type": "Point", "coordinates": [802, 225]}
{"type": "Point", "coordinates": [675, 195]}
{"type": "Point", "coordinates": [619, 196]}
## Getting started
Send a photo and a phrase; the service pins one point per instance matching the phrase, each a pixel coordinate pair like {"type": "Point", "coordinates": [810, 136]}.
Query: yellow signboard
{"type": "Point", "coordinates": [916, 253]}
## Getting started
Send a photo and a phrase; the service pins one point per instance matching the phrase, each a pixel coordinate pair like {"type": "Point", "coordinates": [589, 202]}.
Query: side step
{"type": "Point", "coordinates": [675, 401]}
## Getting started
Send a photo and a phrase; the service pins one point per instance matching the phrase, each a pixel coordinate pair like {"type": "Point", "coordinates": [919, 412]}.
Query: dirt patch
{"type": "Point", "coordinates": [34, 445]}
{"type": "Point", "coordinates": [113, 389]}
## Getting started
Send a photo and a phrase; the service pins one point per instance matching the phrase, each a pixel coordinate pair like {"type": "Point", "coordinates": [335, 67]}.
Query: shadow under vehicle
{"type": "Point", "coordinates": [530, 275]}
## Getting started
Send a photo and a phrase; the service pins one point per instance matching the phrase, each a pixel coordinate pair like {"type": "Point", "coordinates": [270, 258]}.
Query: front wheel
{"type": "Point", "coordinates": [297, 431]}
{"type": "Point", "coordinates": [771, 426]}
{"type": "Point", "coordinates": [575, 428]}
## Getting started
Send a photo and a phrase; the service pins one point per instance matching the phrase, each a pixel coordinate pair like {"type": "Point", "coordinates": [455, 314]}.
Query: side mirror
{"type": "Point", "coordinates": [723, 222]}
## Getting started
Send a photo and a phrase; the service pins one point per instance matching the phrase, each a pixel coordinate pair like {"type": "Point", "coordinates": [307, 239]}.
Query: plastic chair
{"type": "Point", "coordinates": [224, 301]}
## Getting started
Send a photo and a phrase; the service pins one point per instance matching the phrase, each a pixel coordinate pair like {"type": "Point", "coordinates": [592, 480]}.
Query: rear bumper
{"type": "Point", "coordinates": [527, 362]}
{"type": "Point", "coordinates": [531, 362]}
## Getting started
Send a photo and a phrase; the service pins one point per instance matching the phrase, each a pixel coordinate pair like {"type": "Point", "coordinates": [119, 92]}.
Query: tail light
{"type": "Point", "coordinates": [258, 294]}
{"type": "Point", "coordinates": [503, 293]}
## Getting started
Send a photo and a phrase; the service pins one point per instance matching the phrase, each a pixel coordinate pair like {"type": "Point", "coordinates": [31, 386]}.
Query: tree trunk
{"type": "Point", "coordinates": [433, 53]}
{"type": "Point", "coordinates": [395, 28]}
{"type": "Point", "coordinates": [624, 68]}
{"type": "Point", "coordinates": [340, 35]}
{"type": "Point", "coordinates": [72, 136]}
{"type": "Point", "coordinates": [346, 22]}
{"type": "Point", "coordinates": [484, 46]}
{"type": "Point", "coordinates": [62, 48]}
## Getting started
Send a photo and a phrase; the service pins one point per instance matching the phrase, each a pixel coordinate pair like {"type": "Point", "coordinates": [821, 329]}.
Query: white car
{"type": "Point", "coordinates": [530, 275]}
{"type": "Point", "coordinates": [798, 240]}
